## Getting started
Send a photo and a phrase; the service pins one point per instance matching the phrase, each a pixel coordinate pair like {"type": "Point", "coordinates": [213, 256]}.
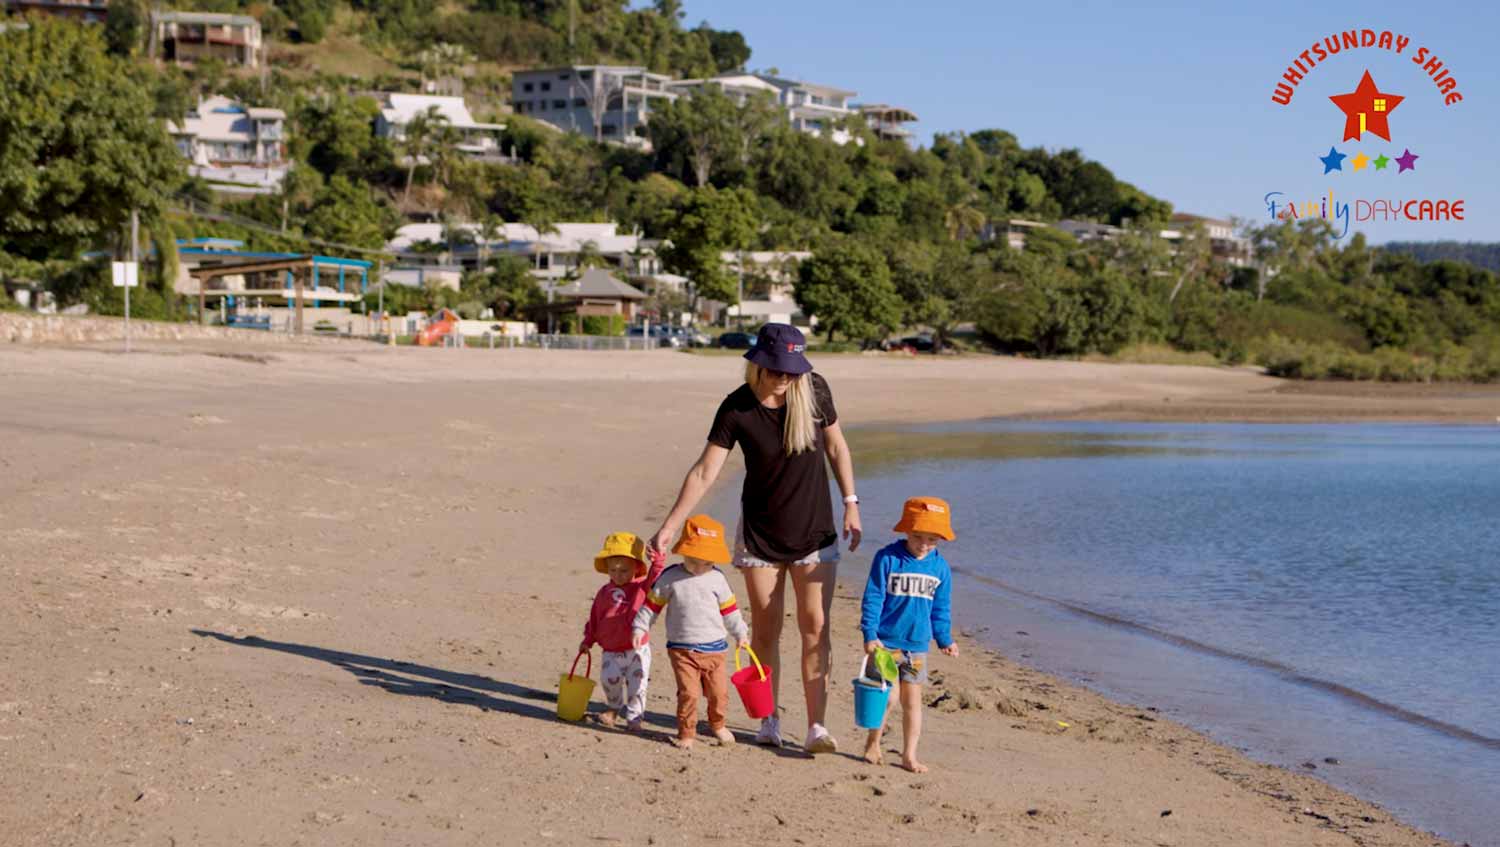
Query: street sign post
{"type": "Point", "coordinates": [126, 275]}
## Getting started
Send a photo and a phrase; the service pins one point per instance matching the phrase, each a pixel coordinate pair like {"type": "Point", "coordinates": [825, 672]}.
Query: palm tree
{"type": "Point", "coordinates": [963, 221]}
{"type": "Point", "coordinates": [419, 138]}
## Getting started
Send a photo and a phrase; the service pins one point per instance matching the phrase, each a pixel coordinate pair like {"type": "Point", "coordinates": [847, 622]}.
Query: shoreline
{"type": "Point", "coordinates": [409, 523]}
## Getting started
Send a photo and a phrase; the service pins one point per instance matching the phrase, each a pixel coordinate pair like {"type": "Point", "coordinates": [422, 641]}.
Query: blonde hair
{"type": "Point", "coordinates": [800, 434]}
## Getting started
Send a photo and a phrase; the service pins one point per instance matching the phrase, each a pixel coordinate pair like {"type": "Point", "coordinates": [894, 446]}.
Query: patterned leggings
{"type": "Point", "coordinates": [624, 678]}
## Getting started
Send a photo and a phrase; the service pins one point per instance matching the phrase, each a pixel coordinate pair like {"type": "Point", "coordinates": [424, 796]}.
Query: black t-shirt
{"type": "Point", "coordinates": [785, 506]}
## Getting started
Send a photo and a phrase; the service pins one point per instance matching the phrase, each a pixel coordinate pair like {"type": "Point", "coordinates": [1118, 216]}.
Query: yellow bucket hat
{"type": "Point", "coordinates": [622, 544]}
{"type": "Point", "coordinates": [927, 514]}
{"type": "Point", "coordinates": [703, 538]}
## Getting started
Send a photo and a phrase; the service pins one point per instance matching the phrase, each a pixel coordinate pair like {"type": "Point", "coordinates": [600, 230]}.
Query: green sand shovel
{"type": "Point", "coordinates": [885, 662]}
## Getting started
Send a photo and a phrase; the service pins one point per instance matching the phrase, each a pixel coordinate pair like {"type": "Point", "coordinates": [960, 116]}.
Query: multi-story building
{"type": "Point", "coordinates": [738, 87]}
{"type": "Point", "coordinates": [186, 37]}
{"type": "Point", "coordinates": [238, 150]}
{"type": "Point", "coordinates": [480, 140]}
{"type": "Point", "coordinates": [604, 102]}
{"type": "Point", "coordinates": [812, 108]}
{"type": "Point", "coordinates": [886, 121]}
{"type": "Point", "coordinates": [85, 11]}
{"type": "Point", "coordinates": [1233, 249]}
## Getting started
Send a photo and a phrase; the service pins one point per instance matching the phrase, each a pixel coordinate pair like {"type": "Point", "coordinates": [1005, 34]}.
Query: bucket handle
{"type": "Point", "coordinates": [588, 668]}
{"type": "Point", "coordinates": [753, 658]}
{"type": "Point", "coordinates": [864, 666]}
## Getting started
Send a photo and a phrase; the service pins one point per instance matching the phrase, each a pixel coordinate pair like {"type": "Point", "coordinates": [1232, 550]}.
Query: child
{"type": "Point", "coordinates": [627, 664]}
{"type": "Point", "coordinates": [906, 606]}
{"type": "Point", "coordinates": [701, 610]}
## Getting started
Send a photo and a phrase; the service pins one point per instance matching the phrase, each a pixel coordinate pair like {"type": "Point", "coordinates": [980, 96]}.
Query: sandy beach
{"type": "Point", "coordinates": [323, 596]}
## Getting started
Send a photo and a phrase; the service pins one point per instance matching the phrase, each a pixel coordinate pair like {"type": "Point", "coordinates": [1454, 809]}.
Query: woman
{"type": "Point", "coordinates": [784, 420]}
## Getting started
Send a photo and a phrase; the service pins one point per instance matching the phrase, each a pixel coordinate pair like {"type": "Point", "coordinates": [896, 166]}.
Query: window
{"type": "Point", "coordinates": [546, 86]}
{"type": "Point", "coordinates": [559, 104]}
{"type": "Point", "coordinates": [1379, 104]}
{"type": "Point", "coordinates": [585, 75]}
{"type": "Point", "coordinates": [526, 87]}
{"type": "Point", "coordinates": [611, 129]}
{"type": "Point", "coordinates": [578, 103]}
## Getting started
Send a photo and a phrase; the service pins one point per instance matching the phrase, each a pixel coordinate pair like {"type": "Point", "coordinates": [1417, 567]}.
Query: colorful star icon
{"type": "Point", "coordinates": [1366, 109]}
{"type": "Point", "coordinates": [1360, 161]}
{"type": "Point", "coordinates": [1334, 161]}
{"type": "Point", "coordinates": [1381, 161]}
{"type": "Point", "coordinates": [1407, 161]}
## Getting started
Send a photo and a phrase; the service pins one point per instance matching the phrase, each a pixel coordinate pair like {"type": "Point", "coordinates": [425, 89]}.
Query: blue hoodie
{"type": "Point", "coordinates": [907, 600]}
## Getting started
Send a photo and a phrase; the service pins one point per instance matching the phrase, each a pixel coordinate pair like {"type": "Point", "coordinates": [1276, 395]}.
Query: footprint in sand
{"type": "Point", "coordinates": [256, 610]}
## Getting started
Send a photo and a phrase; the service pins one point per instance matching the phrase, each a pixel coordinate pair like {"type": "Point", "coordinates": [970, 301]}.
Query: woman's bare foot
{"type": "Point", "coordinates": [682, 743]}
{"type": "Point", "coordinates": [911, 764]}
{"type": "Point", "coordinates": [872, 749]}
{"type": "Point", "coordinates": [607, 719]}
{"type": "Point", "coordinates": [724, 735]}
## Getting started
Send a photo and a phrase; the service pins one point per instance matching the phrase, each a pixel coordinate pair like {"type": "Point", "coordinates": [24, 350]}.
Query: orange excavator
{"type": "Point", "coordinates": [438, 328]}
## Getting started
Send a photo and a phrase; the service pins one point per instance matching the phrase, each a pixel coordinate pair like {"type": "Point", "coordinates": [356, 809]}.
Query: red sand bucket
{"type": "Point", "coordinates": [754, 686]}
{"type": "Point", "coordinates": [573, 692]}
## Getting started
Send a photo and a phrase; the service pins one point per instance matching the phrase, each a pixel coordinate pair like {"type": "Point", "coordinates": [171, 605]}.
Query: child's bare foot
{"type": "Point", "coordinates": [872, 750]}
{"type": "Point", "coordinates": [607, 719]}
{"type": "Point", "coordinates": [911, 764]}
{"type": "Point", "coordinates": [634, 726]}
{"type": "Point", "coordinates": [682, 743]}
{"type": "Point", "coordinates": [724, 735]}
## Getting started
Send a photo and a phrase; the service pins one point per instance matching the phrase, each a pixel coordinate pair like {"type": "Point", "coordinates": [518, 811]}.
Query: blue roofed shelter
{"type": "Point", "coordinates": [280, 279]}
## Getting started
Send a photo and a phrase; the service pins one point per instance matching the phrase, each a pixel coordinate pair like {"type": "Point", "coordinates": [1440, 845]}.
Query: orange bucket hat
{"type": "Point", "coordinates": [622, 544]}
{"type": "Point", "coordinates": [926, 514]}
{"type": "Point", "coordinates": [703, 538]}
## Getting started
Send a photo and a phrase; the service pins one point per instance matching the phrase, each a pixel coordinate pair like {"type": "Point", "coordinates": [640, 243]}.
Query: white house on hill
{"type": "Point", "coordinates": [237, 150]}
{"type": "Point", "coordinates": [480, 140]}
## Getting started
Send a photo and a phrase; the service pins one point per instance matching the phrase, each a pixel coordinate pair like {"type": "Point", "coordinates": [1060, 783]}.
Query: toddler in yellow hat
{"type": "Point", "coordinates": [907, 605]}
{"type": "Point", "coordinates": [700, 610]}
{"type": "Point", "coordinates": [627, 665]}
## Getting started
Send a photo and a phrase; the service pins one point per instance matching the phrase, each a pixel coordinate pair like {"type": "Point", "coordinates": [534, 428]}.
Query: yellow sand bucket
{"type": "Point", "coordinates": [573, 692]}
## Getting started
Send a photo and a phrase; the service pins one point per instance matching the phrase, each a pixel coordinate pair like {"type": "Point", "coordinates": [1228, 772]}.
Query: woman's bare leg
{"type": "Point", "coordinates": [766, 589]}
{"type": "Point", "coordinates": [813, 585]}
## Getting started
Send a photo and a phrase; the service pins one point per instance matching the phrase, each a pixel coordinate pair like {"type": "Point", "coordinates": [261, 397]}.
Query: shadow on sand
{"type": "Point", "coordinates": [406, 678]}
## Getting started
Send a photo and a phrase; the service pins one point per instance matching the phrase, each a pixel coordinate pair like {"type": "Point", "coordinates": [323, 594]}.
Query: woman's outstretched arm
{"type": "Point", "coordinates": [700, 477]}
{"type": "Point", "coordinates": [843, 469]}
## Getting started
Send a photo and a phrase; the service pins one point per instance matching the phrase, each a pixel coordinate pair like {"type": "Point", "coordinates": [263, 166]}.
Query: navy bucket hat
{"type": "Point", "coordinates": [780, 347]}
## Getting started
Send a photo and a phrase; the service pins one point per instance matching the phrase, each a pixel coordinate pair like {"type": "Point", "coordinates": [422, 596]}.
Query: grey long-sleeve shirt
{"type": "Point", "coordinates": [700, 610]}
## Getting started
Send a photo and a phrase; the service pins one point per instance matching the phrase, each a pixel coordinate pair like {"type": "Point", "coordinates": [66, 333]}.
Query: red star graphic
{"type": "Point", "coordinates": [1363, 101]}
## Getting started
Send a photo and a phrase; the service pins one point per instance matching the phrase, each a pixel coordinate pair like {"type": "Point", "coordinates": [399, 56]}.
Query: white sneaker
{"type": "Point", "coordinates": [819, 741]}
{"type": "Point", "coordinates": [770, 732]}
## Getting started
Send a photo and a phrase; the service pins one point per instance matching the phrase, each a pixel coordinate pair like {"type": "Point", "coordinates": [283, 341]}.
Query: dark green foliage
{"type": "Point", "coordinates": [847, 286]}
{"type": "Point", "coordinates": [1477, 254]}
{"type": "Point", "coordinates": [603, 324]}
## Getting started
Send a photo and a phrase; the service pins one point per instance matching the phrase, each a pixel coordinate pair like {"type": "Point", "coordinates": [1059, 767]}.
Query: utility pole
{"type": "Point", "coordinates": [380, 281]}
{"type": "Point", "coordinates": [572, 15]}
{"type": "Point", "coordinates": [135, 229]}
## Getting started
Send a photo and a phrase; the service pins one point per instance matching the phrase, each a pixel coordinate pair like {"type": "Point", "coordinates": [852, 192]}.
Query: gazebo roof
{"type": "Point", "coordinates": [597, 282]}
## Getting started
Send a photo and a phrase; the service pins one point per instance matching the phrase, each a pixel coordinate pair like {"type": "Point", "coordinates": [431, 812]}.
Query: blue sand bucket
{"type": "Point", "coordinates": [870, 698]}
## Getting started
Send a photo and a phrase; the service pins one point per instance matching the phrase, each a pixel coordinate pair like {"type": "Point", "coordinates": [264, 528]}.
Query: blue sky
{"type": "Point", "coordinates": [1175, 98]}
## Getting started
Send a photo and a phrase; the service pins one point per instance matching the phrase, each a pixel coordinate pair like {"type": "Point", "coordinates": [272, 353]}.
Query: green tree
{"type": "Point", "coordinates": [705, 223]}
{"type": "Point", "coordinates": [847, 286]}
{"type": "Point", "coordinates": [346, 213]}
{"type": "Point", "coordinates": [125, 26]}
{"type": "Point", "coordinates": [692, 133]}
{"type": "Point", "coordinates": [79, 148]}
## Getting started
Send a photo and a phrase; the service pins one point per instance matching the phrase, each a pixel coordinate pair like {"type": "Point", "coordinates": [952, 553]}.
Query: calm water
{"type": "Point", "coordinates": [1300, 592]}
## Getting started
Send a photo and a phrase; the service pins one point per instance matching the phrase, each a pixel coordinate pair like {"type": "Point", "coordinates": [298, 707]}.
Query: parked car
{"type": "Point", "coordinates": [693, 338]}
{"type": "Point", "coordinates": [736, 341]}
{"type": "Point", "coordinates": [919, 343]}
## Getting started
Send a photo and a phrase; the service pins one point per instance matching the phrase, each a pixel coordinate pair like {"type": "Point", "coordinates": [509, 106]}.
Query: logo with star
{"type": "Point", "coordinates": [1367, 109]}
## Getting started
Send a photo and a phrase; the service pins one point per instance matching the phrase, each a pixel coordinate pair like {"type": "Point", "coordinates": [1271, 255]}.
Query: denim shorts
{"type": "Point", "coordinates": [913, 668]}
{"type": "Point", "coordinates": [743, 558]}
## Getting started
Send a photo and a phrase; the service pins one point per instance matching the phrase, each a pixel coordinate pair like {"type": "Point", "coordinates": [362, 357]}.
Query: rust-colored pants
{"type": "Point", "coordinates": [698, 674]}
